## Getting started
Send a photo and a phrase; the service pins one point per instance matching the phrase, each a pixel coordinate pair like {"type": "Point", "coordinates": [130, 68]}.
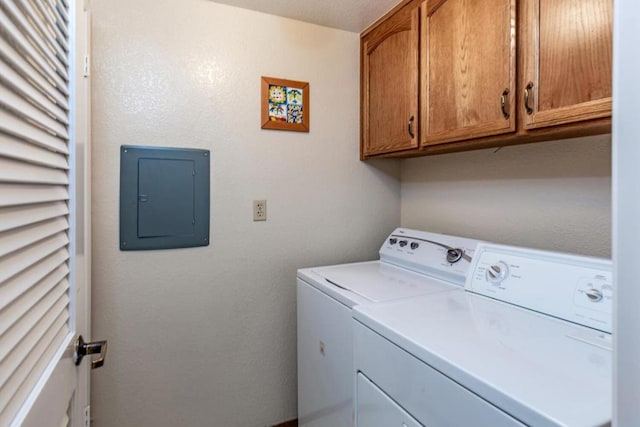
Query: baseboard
{"type": "Point", "coordinates": [292, 423]}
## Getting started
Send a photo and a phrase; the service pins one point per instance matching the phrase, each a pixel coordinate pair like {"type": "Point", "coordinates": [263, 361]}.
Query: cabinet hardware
{"type": "Point", "coordinates": [503, 103]}
{"type": "Point", "coordinates": [526, 98]}
{"type": "Point", "coordinates": [410, 127]}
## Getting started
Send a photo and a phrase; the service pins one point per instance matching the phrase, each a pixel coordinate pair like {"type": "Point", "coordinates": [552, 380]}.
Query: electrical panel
{"type": "Point", "coordinates": [164, 198]}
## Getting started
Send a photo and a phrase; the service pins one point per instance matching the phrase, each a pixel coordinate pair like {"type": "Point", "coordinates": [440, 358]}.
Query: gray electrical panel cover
{"type": "Point", "coordinates": [164, 198]}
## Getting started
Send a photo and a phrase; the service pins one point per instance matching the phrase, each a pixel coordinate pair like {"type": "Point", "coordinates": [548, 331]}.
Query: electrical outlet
{"type": "Point", "coordinates": [259, 210]}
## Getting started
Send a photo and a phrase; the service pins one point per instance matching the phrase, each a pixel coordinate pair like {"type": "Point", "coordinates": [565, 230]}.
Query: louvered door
{"type": "Point", "coordinates": [41, 296]}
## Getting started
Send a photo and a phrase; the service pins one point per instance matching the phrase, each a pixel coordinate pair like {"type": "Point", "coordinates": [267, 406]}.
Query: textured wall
{"type": "Point", "coordinates": [553, 195]}
{"type": "Point", "coordinates": [206, 337]}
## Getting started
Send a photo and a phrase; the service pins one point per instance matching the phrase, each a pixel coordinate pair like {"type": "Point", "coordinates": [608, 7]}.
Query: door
{"type": "Point", "coordinates": [44, 211]}
{"type": "Point", "coordinates": [468, 51]}
{"type": "Point", "coordinates": [390, 84]}
{"type": "Point", "coordinates": [567, 56]}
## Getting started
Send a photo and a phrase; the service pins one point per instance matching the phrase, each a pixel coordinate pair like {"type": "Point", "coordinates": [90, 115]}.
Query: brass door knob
{"type": "Point", "coordinates": [83, 348]}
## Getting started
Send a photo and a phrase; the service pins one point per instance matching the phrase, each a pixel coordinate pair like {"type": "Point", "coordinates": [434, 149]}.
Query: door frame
{"type": "Point", "coordinates": [626, 208]}
{"type": "Point", "coordinates": [80, 235]}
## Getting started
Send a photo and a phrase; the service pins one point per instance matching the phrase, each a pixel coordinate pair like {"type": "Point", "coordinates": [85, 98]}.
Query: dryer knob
{"type": "Point", "coordinates": [497, 272]}
{"type": "Point", "coordinates": [594, 295]}
{"type": "Point", "coordinates": [414, 245]}
{"type": "Point", "coordinates": [454, 255]}
{"type": "Point", "coordinates": [403, 243]}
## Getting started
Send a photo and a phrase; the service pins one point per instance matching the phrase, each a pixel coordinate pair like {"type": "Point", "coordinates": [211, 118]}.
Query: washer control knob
{"type": "Point", "coordinates": [414, 245]}
{"type": "Point", "coordinates": [497, 272]}
{"type": "Point", "coordinates": [393, 240]}
{"type": "Point", "coordinates": [454, 255]}
{"type": "Point", "coordinates": [594, 295]}
{"type": "Point", "coordinates": [403, 243]}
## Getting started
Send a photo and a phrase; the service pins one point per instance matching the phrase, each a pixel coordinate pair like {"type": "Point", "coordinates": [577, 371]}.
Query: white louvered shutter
{"type": "Point", "coordinates": [34, 194]}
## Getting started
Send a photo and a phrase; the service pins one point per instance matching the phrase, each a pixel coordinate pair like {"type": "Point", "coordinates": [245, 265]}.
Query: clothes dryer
{"type": "Point", "coordinates": [412, 263]}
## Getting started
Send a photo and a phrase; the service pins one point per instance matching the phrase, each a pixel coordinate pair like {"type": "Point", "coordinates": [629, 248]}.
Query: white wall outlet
{"type": "Point", "coordinates": [259, 210]}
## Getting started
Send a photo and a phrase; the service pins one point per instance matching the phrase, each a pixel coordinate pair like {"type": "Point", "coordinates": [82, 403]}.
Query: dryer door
{"type": "Point", "coordinates": [376, 409]}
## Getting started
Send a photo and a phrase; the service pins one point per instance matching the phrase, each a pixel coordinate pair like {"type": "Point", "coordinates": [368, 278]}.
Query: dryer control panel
{"type": "Point", "coordinates": [439, 255]}
{"type": "Point", "coordinates": [574, 288]}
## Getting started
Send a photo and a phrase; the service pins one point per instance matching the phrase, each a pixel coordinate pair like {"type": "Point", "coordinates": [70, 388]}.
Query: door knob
{"type": "Point", "coordinates": [83, 348]}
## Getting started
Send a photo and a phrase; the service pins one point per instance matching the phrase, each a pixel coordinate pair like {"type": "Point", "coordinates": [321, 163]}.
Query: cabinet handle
{"type": "Point", "coordinates": [410, 127]}
{"type": "Point", "coordinates": [503, 103]}
{"type": "Point", "coordinates": [526, 98]}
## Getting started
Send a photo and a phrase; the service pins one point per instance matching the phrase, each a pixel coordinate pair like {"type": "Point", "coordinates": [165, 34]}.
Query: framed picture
{"type": "Point", "coordinates": [285, 104]}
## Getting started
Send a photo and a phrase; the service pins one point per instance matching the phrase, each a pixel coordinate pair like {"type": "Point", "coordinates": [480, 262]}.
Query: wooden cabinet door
{"type": "Point", "coordinates": [390, 84]}
{"type": "Point", "coordinates": [468, 63]}
{"type": "Point", "coordinates": [566, 59]}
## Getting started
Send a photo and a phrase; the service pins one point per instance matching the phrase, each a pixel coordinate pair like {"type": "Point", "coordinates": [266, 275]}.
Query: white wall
{"type": "Point", "coordinates": [206, 337]}
{"type": "Point", "coordinates": [552, 195]}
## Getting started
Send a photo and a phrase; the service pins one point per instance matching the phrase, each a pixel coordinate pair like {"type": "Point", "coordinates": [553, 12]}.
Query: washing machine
{"type": "Point", "coordinates": [527, 342]}
{"type": "Point", "coordinates": [411, 263]}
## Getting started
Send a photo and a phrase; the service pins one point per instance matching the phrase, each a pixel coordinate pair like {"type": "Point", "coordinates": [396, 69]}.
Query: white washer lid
{"type": "Point", "coordinates": [378, 281]}
{"type": "Point", "coordinates": [536, 368]}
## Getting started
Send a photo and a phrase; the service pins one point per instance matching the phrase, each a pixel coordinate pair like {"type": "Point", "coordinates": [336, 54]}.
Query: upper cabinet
{"type": "Point", "coordinates": [483, 74]}
{"type": "Point", "coordinates": [566, 53]}
{"type": "Point", "coordinates": [468, 69]}
{"type": "Point", "coordinates": [389, 55]}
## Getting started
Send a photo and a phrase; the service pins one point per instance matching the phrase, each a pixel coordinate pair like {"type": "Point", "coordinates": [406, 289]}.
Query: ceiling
{"type": "Point", "coordinates": [349, 15]}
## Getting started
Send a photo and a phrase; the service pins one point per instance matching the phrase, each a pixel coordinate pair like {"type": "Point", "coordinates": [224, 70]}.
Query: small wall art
{"type": "Point", "coordinates": [285, 104]}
